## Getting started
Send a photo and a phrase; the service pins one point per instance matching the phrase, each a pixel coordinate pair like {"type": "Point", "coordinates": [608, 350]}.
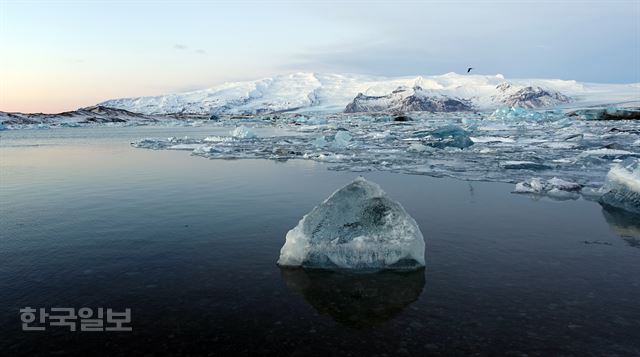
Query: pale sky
{"type": "Point", "coordinates": [62, 55]}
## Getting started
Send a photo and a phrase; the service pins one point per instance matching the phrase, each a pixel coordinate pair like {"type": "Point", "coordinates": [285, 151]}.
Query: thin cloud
{"type": "Point", "coordinates": [179, 46]}
{"type": "Point", "coordinates": [373, 57]}
{"type": "Point", "coordinates": [201, 51]}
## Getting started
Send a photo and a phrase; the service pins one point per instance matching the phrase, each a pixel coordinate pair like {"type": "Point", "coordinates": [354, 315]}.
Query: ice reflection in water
{"type": "Point", "coordinates": [623, 223]}
{"type": "Point", "coordinates": [356, 300]}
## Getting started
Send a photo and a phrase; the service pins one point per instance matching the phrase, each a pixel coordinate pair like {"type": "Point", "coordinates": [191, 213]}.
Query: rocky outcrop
{"type": "Point", "coordinates": [407, 100]}
{"type": "Point", "coordinates": [529, 97]}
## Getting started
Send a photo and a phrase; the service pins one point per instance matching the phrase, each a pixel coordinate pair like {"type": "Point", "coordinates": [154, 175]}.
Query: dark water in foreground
{"type": "Point", "coordinates": [190, 246]}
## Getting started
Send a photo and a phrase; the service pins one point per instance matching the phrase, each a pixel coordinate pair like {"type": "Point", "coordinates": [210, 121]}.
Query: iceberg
{"type": "Point", "coordinates": [358, 227]}
{"type": "Point", "coordinates": [320, 142]}
{"type": "Point", "coordinates": [622, 186]}
{"type": "Point", "coordinates": [242, 132]}
{"type": "Point", "coordinates": [342, 139]}
{"type": "Point", "coordinates": [514, 113]}
{"type": "Point", "coordinates": [450, 136]}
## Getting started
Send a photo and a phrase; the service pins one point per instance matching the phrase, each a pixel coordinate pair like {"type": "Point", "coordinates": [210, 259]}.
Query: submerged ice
{"type": "Point", "coordinates": [357, 227]}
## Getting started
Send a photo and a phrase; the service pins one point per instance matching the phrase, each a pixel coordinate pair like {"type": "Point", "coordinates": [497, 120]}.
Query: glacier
{"type": "Point", "coordinates": [357, 227]}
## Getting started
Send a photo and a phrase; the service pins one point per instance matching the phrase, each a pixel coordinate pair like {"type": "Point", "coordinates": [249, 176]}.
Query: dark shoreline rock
{"type": "Point", "coordinates": [611, 113]}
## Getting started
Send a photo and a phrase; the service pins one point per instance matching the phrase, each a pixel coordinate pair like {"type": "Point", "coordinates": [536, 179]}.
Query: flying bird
{"type": "Point", "coordinates": [469, 69]}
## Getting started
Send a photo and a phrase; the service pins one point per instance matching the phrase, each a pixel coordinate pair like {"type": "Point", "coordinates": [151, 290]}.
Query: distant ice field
{"type": "Point", "coordinates": [510, 146]}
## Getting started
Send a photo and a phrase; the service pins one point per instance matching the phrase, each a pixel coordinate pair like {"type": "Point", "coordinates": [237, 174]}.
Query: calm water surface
{"type": "Point", "coordinates": [190, 245]}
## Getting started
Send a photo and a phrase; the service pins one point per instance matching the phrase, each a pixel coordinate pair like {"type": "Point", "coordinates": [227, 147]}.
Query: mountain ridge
{"type": "Point", "coordinates": [327, 92]}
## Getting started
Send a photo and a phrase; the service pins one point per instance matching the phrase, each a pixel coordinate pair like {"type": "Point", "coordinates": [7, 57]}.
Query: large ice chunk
{"type": "Point", "coordinates": [357, 227]}
{"type": "Point", "coordinates": [622, 186]}
{"type": "Point", "coordinates": [450, 135]}
{"type": "Point", "coordinates": [342, 139]}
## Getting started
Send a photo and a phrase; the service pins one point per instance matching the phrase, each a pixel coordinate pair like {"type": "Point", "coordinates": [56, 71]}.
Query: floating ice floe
{"type": "Point", "coordinates": [310, 121]}
{"type": "Point", "coordinates": [491, 139]}
{"type": "Point", "coordinates": [517, 114]}
{"type": "Point", "coordinates": [357, 227]}
{"type": "Point", "coordinates": [217, 139]}
{"type": "Point", "coordinates": [554, 188]}
{"type": "Point", "coordinates": [431, 144]}
{"type": "Point", "coordinates": [608, 152]}
{"type": "Point", "coordinates": [188, 147]}
{"type": "Point", "coordinates": [417, 147]}
{"type": "Point", "coordinates": [150, 143]}
{"type": "Point", "coordinates": [523, 165]}
{"type": "Point", "coordinates": [622, 186]}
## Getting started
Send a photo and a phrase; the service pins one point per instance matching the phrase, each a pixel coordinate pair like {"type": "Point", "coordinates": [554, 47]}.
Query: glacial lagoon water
{"type": "Point", "coordinates": [190, 245]}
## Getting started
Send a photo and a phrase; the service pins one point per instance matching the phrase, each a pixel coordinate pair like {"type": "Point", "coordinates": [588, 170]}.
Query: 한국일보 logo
{"type": "Point", "coordinates": [84, 319]}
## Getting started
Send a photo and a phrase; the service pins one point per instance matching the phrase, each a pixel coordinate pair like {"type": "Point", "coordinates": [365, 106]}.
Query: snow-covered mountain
{"type": "Point", "coordinates": [334, 92]}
